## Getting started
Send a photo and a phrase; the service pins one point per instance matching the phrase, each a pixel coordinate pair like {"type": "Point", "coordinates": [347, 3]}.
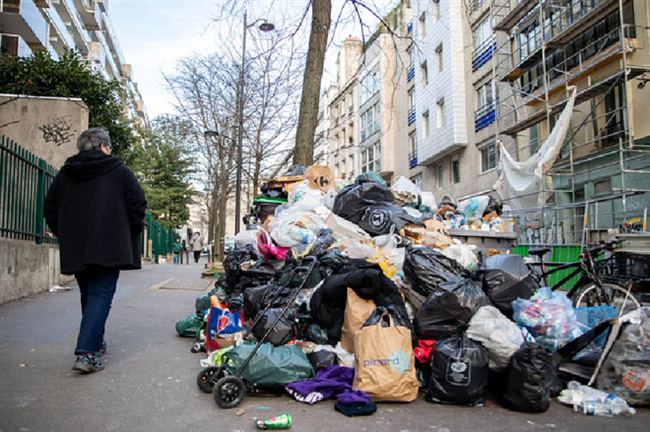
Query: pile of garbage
{"type": "Point", "coordinates": [392, 306]}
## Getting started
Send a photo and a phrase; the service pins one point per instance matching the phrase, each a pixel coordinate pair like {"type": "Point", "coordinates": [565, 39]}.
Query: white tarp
{"type": "Point", "coordinates": [523, 184]}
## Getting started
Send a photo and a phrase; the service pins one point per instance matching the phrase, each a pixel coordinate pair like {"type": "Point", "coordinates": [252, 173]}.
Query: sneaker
{"type": "Point", "coordinates": [88, 364]}
{"type": "Point", "coordinates": [102, 350]}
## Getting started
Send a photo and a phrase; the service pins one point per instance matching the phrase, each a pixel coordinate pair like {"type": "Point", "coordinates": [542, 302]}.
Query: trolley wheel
{"type": "Point", "coordinates": [208, 377]}
{"type": "Point", "coordinates": [229, 391]}
{"type": "Point", "coordinates": [611, 295]}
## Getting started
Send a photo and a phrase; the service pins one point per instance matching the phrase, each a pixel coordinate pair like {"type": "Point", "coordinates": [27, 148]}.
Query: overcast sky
{"type": "Point", "coordinates": [155, 34]}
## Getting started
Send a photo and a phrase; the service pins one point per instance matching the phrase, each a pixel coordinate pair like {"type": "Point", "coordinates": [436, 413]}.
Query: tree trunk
{"type": "Point", "coordinates": [320, 25]}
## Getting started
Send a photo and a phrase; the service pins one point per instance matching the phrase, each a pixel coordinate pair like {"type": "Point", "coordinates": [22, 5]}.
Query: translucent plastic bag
{"type": "Point", "coordinates": [473, 208]}
{"type": "Point", "coordinates": [463, 253]}
{"type": "Point", "coordinates": [549, 316]}
{"type": "Point", "coordinates": [500, 336]}
{"type": "Point", "coordinates": [405, 191]}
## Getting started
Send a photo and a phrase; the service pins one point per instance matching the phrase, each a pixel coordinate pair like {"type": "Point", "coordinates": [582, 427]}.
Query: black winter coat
{"type": "Point", "coordinates": [96, 208]}
{"type": "Point", "coordinates": [368, 281]}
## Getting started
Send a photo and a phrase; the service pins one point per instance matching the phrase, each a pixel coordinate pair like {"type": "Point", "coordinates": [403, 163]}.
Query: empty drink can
{"type": "Point", "coordinates": [282, 421]}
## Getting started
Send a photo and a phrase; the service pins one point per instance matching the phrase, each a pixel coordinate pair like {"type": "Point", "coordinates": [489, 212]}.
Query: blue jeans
{"type": "Point", "coordinates": [177, 257]}
{"type": "Point", "coordinates": [97, 287]}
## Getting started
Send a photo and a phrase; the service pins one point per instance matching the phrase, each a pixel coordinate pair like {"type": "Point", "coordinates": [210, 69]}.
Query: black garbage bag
{"type": "Point", "coordinates": [531, 378]}
{"type": "Point", "coordinates": [493, 205]}
{"type": "Point", "coordinates": [316, 333]}
{"type": "Point", "coordinates": [331, 261]}
{"type": "Point", "coordinates": [351, 201]}
{"type": "Point", "coordinates": [459, 371]}
{"type": "Point", "coordinates": [450, 307]}
{"type": "Point", "coordinates": [257, 298]}
{"type": "Point", "coordinates": [284, 331]}
{"type": "Point", "coordinates": [507, 278]}
{"type": "Point", "coordinates": [321, 359]}
{"type": "Point", "coordinates": [232, 262]}
{"type": "Point", "coordinates": [425, 267]}
{"type": "Point", "coordinates": [380, 219]}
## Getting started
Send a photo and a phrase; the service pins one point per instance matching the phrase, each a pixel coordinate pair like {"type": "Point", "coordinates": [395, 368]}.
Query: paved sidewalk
{"type": "Point", "coordinates": [149, 384]}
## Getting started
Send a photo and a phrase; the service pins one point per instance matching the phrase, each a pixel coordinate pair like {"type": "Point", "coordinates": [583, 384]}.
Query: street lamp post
{"type": "Point", "coordinates": [265, 26]}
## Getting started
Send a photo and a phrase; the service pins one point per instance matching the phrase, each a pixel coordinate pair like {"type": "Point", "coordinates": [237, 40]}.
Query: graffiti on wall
{"type": "Point", "coordinates": [57, 130]}
{"type": "Point", "coordinates": [536, 235]}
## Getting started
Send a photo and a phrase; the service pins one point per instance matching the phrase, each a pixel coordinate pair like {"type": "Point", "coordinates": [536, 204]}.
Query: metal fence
{"type": "Point", "coordinates": [24, 181]}
{"type": "Point", "coordinates": [161, 237]}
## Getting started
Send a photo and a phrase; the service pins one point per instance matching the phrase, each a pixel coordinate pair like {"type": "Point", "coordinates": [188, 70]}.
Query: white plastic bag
{"type": "Point", "coordinates": [245, 238]}
{"type": "Point", "coordinates": [429, 200]}
{"type": "Point", "coordinates": [500, 336]}
{"type": "Point", "coordinates": [309, 198]}
{"type": "Point", "coordinates": [473, 208]}
{"type": "Point", "coordinates": [463, 253]}
{"type": "Point", "coordinates": [405, 191]}
{"type": "Point", "coordinates": [357, 249]}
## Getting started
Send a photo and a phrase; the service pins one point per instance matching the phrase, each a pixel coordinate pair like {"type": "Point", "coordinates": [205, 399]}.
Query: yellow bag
{"type": "Point", "coordinates": [384, 366]}
{"type": "Point", "coordinates": [357, 311]}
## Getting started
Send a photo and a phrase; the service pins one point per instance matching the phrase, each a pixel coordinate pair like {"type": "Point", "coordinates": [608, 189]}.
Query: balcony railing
{"type": "Point", "coordinates": [411, 117]}
{"type": "Point", "coordinates": [411, 73]}
{"type": "Point", "coordinates": [484, 52]}
{"type": "Point", "coordinates": [484, 116]}
{"type": "Point", "coordinates": [413, 160]}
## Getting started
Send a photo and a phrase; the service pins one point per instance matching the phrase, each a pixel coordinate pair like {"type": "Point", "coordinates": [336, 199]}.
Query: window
{"type": "Point", "coordinates": [425, 124]}
{"type": "Point", "coordinates": [411, 100]}
{"type": "Point", "coordinates": [422, 30]}
{"type": "Point", "coordinates": [482, 33]}
{"type": "Point", "coordinates": [369, 86]}
{"type": "Point", "coordinates": [435, 13]}
{"type": "Point", "coordinates": [533, 135]}
{"type": "Point", "coordinates": [439, 59]}
{"type": "Point", "coordinates": [351, 165]}
{"type": "Point", "coordinates": [424, 74]}
{"type": "Point", "coordinates": [337, 170]}
{"type": "Point", "coordinates": [370, 121]}
{"type": "Point", "coordinates": [440, 113]}
{"type": "Point", "coordinates": [603, 187]}
{"type": "Point", "coordinates": [488, 156]}
{"type": "Point", "coordinates": [351, 133]}
{"type": "Point", "coordinates": [417, 181]}
{"type": "Point", "coordinates": [413, 147]}
{"type": "Point", "coordinates": [336, 142]}
{"type": "Point", "coordinates": [439, 175]}
{"type": "Point", "coordinates": [371, 158]}
{"type": "Point", "coordinates": [484, 95]}
{"type": "Point", "coordinates": [455, 170]}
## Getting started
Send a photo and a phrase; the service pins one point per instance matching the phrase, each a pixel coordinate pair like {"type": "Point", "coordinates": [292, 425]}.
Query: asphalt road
{"type": "Point", "coordinates": [149, 384]}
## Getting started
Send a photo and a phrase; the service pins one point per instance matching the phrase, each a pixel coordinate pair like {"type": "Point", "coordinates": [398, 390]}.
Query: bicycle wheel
{"type": "Point", "coordinates": [611, 295]}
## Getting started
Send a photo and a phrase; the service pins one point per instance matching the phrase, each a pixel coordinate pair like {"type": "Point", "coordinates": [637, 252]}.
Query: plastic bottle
{"type": "Point", "coordinates": [596, 402]}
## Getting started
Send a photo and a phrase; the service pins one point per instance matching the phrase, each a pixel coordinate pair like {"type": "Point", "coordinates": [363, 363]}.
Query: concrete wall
{"type": "Point", "coordinates": [27, 268]}
{"type": "Point", "coordinates": [46, 126]}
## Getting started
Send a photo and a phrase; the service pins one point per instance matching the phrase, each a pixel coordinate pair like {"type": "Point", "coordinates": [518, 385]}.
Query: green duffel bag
{"type": "Point", "coordinates": [271, 365]}
{"type": "Point", "coordinates": [189, 326]}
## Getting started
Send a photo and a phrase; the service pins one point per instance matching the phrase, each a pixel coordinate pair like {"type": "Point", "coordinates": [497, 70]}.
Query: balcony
{"type": "Point", "coordinates": [90, 13]}
{"type": "Point", "coordinates": [411, 117]}
{"type": "Point", "coordinates": [515, 15]}
{"type": "Point", "coordinates": [484, 116]}
{"type": "Point", "coordinates": [73, 23]}
{"type": "Point", "coordinates": [60, 37]}
{"type": "Point", "coordinates": [413, 160]}
{"type": "Point", "coordinates": [484, 52]}
{"type": "Point", "coordinates": [26, 20]}
{"type": "Point", "coordinates": [409, 28]}
{"type": "Point", "coordinates": [411, 73]}
{"type": "Point", "coordinates": [113, 43]}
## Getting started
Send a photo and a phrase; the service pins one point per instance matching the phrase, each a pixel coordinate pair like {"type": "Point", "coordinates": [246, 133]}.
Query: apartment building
{"type": "Point", "coordinates": [367, 109]}
{"type": "Point", "coordinates": [442, 159]}
{"type": "Point", "coordinates": [526, 56]}
{"type": "Point", "coordinates": [57, 25]}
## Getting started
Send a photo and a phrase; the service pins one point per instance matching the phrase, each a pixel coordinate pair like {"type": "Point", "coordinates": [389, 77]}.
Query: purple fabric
{"type": "Point", "coordinates": [330, 381]}
{"type": "Point", "coordinates": [349, 396]}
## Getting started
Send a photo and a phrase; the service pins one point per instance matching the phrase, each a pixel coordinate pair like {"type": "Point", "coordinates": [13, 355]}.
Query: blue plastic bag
{"type": "Point", "coordinates": [222, 321]}
{"type": "Point", "coordinates": [549, 316]}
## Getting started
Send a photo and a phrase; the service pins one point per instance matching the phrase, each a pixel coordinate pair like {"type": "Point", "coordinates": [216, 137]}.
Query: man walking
{"type": "Point", "coordinates": [177, 248]}
{"type": "Point", "coordinates": [96, 208]}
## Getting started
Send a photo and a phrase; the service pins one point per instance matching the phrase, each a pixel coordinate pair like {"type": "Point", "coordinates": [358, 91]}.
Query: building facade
{"type": "Point", "coordinates": [83, 25]}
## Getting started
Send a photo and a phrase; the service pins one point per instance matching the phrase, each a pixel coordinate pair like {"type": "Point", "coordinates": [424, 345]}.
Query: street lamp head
{"type": "Point", "coordinates": [266, 26]}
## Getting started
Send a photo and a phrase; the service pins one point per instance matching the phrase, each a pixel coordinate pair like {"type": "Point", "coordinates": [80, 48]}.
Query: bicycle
{"type": "Point", "coordinates": [589, 289]}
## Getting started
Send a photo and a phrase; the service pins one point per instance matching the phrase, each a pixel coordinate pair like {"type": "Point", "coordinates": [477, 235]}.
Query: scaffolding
{"type": "Point", "coordinates": [602, 175]}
